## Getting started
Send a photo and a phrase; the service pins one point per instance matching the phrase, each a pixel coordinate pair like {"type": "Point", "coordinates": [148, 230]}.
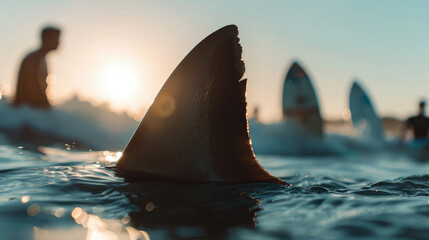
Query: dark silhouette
{"type": "Point", "coordinates": [419, 124]}
{"type": "Point", "coordinates": [200, 111]}
{"type": "Point", "coordinates": [31, 86]}
{"type": "Point", "coordinates": [255, 115]}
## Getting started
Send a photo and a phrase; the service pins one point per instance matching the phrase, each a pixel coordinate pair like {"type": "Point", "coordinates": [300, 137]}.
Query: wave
{"type": "Point", "coordinates": [287, 138]}
{"type": "Point", "coordinates": [74, 123]}
{"type": "Point", "coordinates": [79, 124]}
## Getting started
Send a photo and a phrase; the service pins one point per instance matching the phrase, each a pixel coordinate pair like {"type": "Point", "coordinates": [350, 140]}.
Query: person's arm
{"type": "Point", "coordinates": [44, 85]}
{"type": "Point", "coordinates": [41, 75]}
{"type": "Point", "coordinates": [21, 94]}
{"type": "Point", "coordinates": [43, 94]}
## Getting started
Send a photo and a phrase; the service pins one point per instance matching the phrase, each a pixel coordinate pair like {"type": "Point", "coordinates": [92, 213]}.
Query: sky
{"type": "Point", "coordinates": [121, 52]}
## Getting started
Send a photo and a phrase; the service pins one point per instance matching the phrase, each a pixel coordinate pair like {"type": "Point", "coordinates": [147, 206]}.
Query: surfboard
{"type": "Point", "coordinates": [364, 117]}
{"type": "Point", "coordinates": [300, 104]}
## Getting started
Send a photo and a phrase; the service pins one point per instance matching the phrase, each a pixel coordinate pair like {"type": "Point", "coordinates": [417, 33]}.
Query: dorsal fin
{"type": "Point", "coordinates": [196, 129]}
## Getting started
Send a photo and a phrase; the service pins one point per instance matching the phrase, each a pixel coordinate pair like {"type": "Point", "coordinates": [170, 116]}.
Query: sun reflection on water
{"type": "Point", "coordinates": [25, 199]}
{"type": "Point", "coordinates": [101, 229]}
{"type": "Point", "coordinates": [95, 228]}
{"type": "Point", "coordinates": [109, 157]}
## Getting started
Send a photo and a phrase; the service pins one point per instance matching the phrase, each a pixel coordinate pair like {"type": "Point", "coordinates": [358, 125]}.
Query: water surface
{"type": "Point", "coordinates": [67, 194]}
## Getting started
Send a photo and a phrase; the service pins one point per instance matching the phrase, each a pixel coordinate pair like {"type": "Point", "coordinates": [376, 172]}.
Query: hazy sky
{"type": "Point", "coordinates": [123, 51]}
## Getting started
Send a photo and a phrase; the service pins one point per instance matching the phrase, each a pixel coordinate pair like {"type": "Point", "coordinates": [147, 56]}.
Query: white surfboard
{"type": "Point", "coordinates": [364, 117]}
{"type": "Point", "coordinates": [300, 103]}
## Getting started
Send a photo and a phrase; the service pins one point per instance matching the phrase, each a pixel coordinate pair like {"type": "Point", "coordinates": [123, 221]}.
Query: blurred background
{"type": "Point", "coordinates": [114, 57]}
{"type": "Point", "coordinates": [119, 53]}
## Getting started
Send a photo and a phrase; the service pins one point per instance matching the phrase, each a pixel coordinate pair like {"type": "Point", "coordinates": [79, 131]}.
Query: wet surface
{"type": "Point", "coordinates": [72, 194]}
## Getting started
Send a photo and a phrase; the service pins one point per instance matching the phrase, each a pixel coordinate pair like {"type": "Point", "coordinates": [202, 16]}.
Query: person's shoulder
{"type": "Point", "coordinates": [31, 56]}
{"type": "Point", "coordinates": [411, 118]}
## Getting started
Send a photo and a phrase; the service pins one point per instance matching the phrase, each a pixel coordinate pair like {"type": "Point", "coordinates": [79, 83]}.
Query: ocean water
{"type": "Point", "coordinates": [60, 191]}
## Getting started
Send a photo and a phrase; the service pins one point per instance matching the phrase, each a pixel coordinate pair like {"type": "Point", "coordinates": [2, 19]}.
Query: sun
{"type": "Point", "coordinates": [118, 83]}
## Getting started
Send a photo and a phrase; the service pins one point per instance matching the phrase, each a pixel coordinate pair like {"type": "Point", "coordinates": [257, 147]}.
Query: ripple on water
{"type": "Point", "coordinates": [329, 200]}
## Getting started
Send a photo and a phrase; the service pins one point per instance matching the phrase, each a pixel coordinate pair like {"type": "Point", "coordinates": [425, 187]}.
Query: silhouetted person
{"type": "Point", "coordinates": [419, 124]}
{"type": "Point", "coordinates": [31, 87]}
{"type": "Point", "coordinates": [256, 113]}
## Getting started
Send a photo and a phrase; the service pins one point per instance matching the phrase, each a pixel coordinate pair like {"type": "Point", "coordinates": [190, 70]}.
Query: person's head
{"type": "Point", "coordinates": [422, 105]}
{"type": "Point", "coordinates": [50, 38]}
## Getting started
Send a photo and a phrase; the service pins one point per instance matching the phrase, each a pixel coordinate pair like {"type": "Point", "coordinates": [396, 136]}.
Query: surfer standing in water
{"type": "Point", "coordinates": [31, 87]}
{"type": "Point", "coordinates": [419, 124]}
{"type": "Point", "coordinates": [255, 114]}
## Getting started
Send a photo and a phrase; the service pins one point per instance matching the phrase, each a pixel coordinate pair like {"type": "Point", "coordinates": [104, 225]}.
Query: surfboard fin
{"type": "Point", "coordinates": [196, 129]}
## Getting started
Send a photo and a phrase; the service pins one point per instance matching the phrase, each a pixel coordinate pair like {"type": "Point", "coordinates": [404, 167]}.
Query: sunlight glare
{"type": "Point", "coordinates": [118, 82]}
{"type": "Point", "coordinates": [103, 229]}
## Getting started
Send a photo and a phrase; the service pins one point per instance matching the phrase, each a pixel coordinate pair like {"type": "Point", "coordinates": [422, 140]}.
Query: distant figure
{"type": "Point", "coordinates": [419, 124]}
{"type": "Point", "coordinates": [31, 87]}
{"type": "Point", "coordinates": [256, 113]}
